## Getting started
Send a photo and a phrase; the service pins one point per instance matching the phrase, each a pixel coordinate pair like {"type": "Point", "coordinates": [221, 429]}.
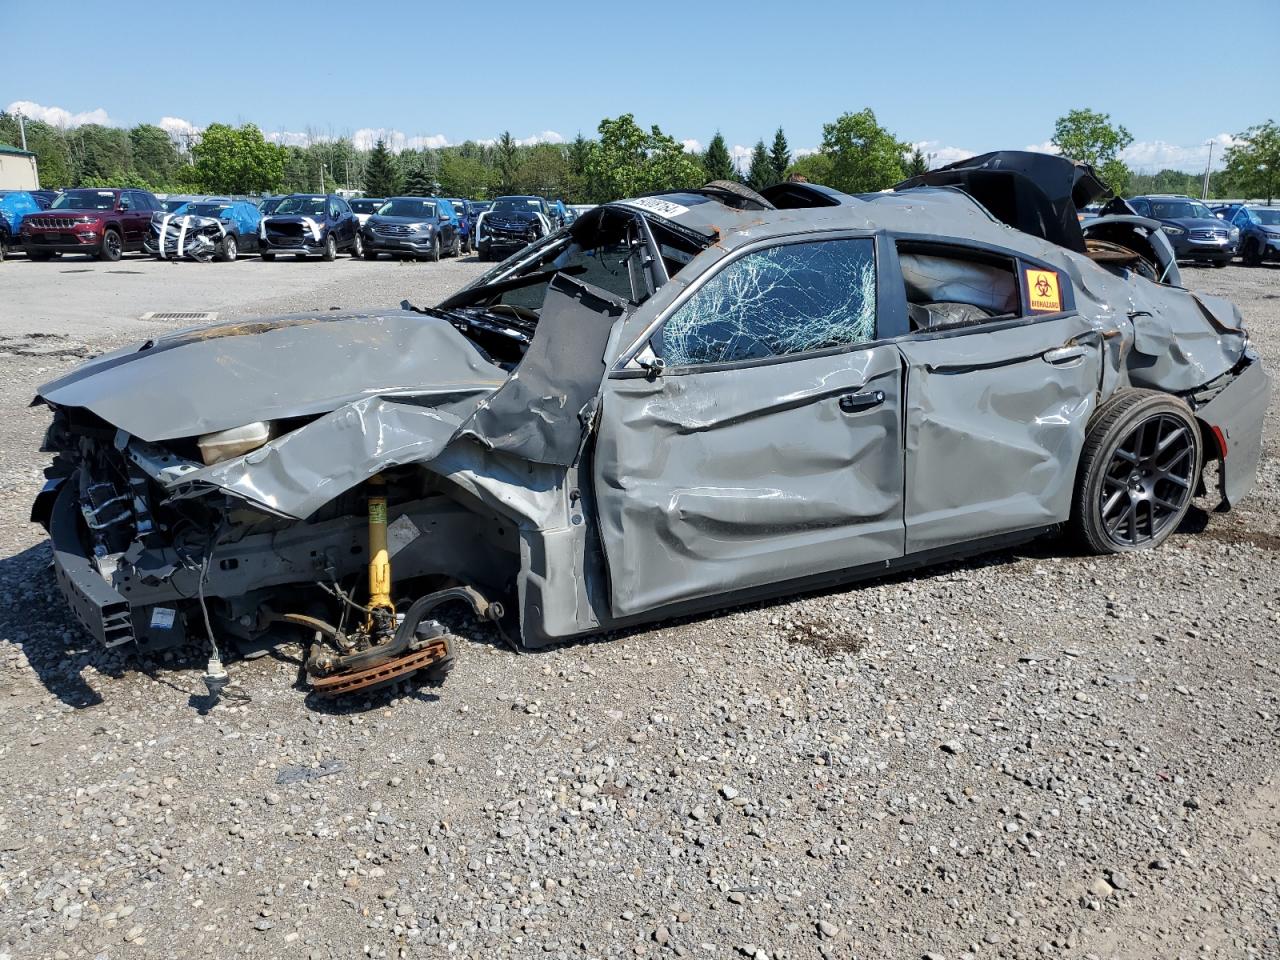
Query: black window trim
{"type": "Point", "coordinates": [1021, 263]}
{"type": "Point", "coordinates": [622, 371]}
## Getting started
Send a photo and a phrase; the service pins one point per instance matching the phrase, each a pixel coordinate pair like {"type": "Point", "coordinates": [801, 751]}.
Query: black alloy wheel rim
{"type": "Point", "coordinates": [1148, 482]}
{"type": "Point", "coordinates": [113, 243]}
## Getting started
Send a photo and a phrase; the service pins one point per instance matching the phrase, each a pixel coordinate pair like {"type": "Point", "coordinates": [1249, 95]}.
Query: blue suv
{"type": "Point", "coordinates": [1192, 228]}
{"type": "Point", "coordinates": [1259, 234]}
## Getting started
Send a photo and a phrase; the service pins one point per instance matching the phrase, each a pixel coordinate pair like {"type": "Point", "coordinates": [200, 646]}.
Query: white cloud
{"type": "Point", "coordinates": [396, 140]}
{"type": "Point", "coordinates": [1150, 156]}
{"type": "Point", "coordinates": [741, 157]}
{"type": "Point", "coordinates": [1045, 147]}
{"type": "Point", "coordinates": [546, 136]}
{"type": "Point", "coordinates": [290, 138]}
{"type": "Point", "coordinates": [940, 155]}
{"type": "Point", "coordinates": [58, 116]}
{"type": "Point", "coordinates": [178, 129]}
{"type": "Point", "coordinates": [691, 145]}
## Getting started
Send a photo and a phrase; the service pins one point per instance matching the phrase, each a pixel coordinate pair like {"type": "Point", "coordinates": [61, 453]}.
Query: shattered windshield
{"type": "Point", "coordinates": [208, 209]}
{"type": "Point", "coordinates": [407, 207]}
{"type": "Point", "coordinates": [302, 206]}
{"type": "Point", "coordinates": [85, 200]}
{"type": "Point", "coordinates": [516, 205]}
{"type": "Point", "coordinates": [1180, 210]}
{"type": "Point", "coordinates": [784, 300]}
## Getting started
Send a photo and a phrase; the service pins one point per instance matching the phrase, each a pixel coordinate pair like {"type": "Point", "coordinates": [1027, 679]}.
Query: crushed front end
{"type": "Point", "coordinates": [177, 237]}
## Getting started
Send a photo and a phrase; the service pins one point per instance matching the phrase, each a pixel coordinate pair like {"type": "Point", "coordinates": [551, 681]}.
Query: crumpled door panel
{"type": "Point", "coordinates": [723, 480]}
{"type": "Point", "coordinates": [994, 427]}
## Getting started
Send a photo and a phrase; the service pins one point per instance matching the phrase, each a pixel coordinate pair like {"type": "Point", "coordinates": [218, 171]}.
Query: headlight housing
{"type": "Point", "coordinates": [1173, 231]}
{"type": "Point", "coordinates": [1235, 233]}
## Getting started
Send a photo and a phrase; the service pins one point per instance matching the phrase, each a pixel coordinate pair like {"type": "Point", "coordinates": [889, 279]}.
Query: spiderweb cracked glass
{"type": "Point", "coordinates": [787, 299]}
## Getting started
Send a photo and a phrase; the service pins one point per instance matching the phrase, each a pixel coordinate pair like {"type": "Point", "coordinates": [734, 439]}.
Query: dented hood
{"type": "Point", "coordinates": [216, 377]}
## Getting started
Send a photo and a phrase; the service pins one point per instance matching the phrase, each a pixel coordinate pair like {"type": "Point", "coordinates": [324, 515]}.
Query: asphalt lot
{"type": "Point", "coordinates": [1028, 754]}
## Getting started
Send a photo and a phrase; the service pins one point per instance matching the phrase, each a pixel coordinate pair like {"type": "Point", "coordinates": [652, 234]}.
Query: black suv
{"type": "Point", "coordinates": [511, 224]}
{"type": "Point", "coordinates": [308, 223]}
{"type": "Point", "coordinates": [1192, 228]}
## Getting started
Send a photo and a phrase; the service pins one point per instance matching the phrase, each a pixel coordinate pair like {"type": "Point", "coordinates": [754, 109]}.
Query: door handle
{"type": "Point", "coordinates": [1060, 356]}
{"type": "Point", "coordinates": [858, 402]}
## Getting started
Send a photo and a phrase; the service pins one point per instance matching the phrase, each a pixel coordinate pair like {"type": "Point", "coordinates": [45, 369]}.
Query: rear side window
{"type": "Point", "coordinates": [784, 300]}
{"type": "Point", "coordinates": [946, 287]}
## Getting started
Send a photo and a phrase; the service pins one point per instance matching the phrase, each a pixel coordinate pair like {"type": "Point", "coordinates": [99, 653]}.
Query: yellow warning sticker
{"type": "Point", "coordinates": [1042, 291]}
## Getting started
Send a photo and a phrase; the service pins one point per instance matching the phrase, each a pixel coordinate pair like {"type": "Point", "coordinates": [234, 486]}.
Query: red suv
{"type": "Point", "coordinates": [101, 223]}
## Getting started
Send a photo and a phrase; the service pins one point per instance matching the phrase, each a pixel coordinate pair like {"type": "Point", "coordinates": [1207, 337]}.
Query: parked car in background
{"type": "Point", "coordinates": [467, 213]}
{"type": "Point", "coordinates": [364, 207]}
{"type": "Point", "coordinates": [172, 201]}
{"type": "Point", "coordinates": [511, 224]}
{"type": "Point", "coordinates": [1225, 211]}
{"type": "Point", "coordinates": [1192, 228]}
{"type": "Point", "coordinates": [559, 214]}
{"type": "Point", "coordinates": [413, 227]}
{"type": "Point", "coordinates": [44, 197]}
{"type": "Point", "coordinates": [310, 224]}
{"type": "Point", "coordinates": [14, 206]}
{"type": "Point", "coordinates": [100, 223]}
{"type": "Point", "coordinates": [217, 229]}
{"type": "Point", "coordinates": [267, 205]}
{"type": "Point", "coordinates": [1259, 234]}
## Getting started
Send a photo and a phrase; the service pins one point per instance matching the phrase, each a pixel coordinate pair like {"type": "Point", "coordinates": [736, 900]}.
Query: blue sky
{"type": "Point", "coordinates": [958, 77]}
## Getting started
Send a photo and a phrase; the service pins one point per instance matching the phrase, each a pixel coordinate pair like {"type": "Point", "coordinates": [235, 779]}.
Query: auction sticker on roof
{"type": "Point", "coordinates": [1043, 295]}
{"type": "Point", "coordinates": [663, 208]}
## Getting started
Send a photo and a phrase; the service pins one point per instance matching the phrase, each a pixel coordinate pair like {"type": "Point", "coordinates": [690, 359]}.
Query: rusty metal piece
{"type": "Point", "coordinates": [434, 654]}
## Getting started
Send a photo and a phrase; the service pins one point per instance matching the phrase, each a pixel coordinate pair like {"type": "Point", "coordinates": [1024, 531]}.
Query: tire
{"type": "Point", "coordinates": [357, 247]}
{"type": "Point", "coordinates": [269, 257]}
{"type": "Point", "coordinates": [750, 199]}
{"type": "Point", "coordinates": [434, 256]}
{"type": "Point", "coordinates": [330, 248]}
{"type": "Point", "coordinates": [1138, 473]}
{"type": "Point", "coordinates": [4, 247]}
{"type": "Point", "coordinates": [466, 245]}
{"type": "Point", "coordinates": [228, 250]}
{"type": "Point", "coordinates": [370, 254]}
{"type": "Point", "coordinates": [1251, 255]}
{"type": "Point", "coordinates": [112, 246]}
{"type": "Point", "coordinates": [457, 246]}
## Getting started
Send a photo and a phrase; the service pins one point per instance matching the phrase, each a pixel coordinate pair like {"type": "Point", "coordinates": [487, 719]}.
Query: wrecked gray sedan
{"type": "Point", "coordinates": [678, 403]}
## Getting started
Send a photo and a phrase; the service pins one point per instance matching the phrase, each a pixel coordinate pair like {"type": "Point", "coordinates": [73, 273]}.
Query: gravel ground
{"type": "Point", "coordinates": [1030, 754]}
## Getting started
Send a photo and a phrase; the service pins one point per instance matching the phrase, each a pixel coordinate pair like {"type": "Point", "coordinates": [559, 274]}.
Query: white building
{"type": "Point", "coordinates": [18, 169]}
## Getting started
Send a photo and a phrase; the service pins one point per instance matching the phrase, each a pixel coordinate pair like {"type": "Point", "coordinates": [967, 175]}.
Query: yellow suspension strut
{"type": "Point", "coordinates": [379, 558]}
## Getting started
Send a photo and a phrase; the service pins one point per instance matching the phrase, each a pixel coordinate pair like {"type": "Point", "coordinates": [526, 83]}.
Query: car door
{"type": "Point", "coordinates": [768, 448]}
{"type": "Point", "coordinates": [996, 405]}
{"type": "Point", "coordinates": [129, 219]}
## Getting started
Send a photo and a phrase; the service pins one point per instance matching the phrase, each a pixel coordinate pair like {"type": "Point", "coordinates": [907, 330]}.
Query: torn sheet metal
{"type": "Point", "coordinates": [301, 471]}
{"type": "Point", "coordinates": [542, 412]}
{"type": "Point", "coordinates": [215, 378]}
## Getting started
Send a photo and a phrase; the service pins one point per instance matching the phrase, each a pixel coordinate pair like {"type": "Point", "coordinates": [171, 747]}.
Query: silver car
{"type": "Point", "coordinates": [681, 402]}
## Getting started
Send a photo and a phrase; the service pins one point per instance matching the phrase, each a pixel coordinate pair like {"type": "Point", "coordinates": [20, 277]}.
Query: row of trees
{"type": "Point", "coordinates": [857, 154]}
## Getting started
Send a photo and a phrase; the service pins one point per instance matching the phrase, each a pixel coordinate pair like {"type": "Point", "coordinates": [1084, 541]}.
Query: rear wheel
{"type": "Point", "coordinates": [357, 248]}
{"type": "Point", "coordinates": [434, 256]}
{"type": "Point", "coordinates": [330, 247]}
{"type": "Point", "coordinates": [112, 246]}
{"type": "Point", "coordinates": [1138, 472]}
{"type": "Point", "coordinates": [228, 249]}
{"type": "Point", "coordinates": [457, 246]}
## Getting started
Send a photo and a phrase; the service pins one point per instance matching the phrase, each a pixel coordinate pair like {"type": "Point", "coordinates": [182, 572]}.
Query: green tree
{"type": "Point", "coordinates": [813, 167]}
{"type": "Point", "coordinates": [101, 154]}
{"type": "Point", "coordinates": [237, 160]}
{"type": "Point", "coordinates": [577, 155]}
{"type": "Point", "coordinates": [48, 143]}
{"type": "Point", "coordinates": [716, 160]}
{"type": "Point", "coordinates": [626, 161]}
{"type": "Point", "coordinates": [864, 155]}
{"type": "Point", "coordinates": [1253, 162]}
{"type": "Point", "coordinates": [918, 163]}
{"type": "Point", "coordinates": [464, 174]}
{"type": "Point", "coordinates": [418, 182]}
{"type": "Point", "coordinates": [508, 162]}
{"type": "Point", "coordinates": [155, 158]}
{"type": "Point", "coordinates": [780, 156]}
{"type": "Point", "coordinates": [381, 179]}
{"type": "Point", "coordinates": [761, 173]}
{"type": "Point", "coordinates": [1088, 136]}
{"type": "Point", "coordinates": [544, 171]}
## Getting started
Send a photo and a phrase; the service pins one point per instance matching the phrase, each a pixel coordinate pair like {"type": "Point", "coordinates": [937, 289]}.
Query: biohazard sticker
{"type": "Point", "coordinates": [1042, 291]}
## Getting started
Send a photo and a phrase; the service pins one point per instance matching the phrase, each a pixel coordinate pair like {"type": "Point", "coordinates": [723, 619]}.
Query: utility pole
{"type": "Point", "coordinates": [22, 129]}
{"type": "Point", "coordinates": [1204, 191]}
{"type": "Point", "coordinates": [322, 176]}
